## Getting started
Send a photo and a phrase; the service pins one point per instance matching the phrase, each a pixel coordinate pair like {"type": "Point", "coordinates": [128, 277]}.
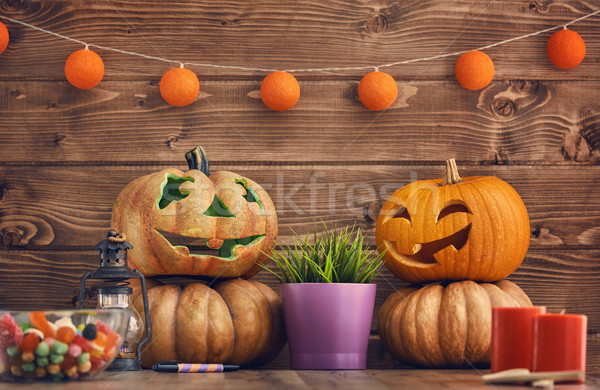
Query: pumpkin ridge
{"type": "Point", "coordinates": [409, 311]}
{"type": "Point", "coordinates": [432, 294]}
{"type": "Point", "coordinates": [156, 268]}
{"type": "Point", "coordinates": [399, 311]}
{"type": "Point", "coordinates": [498, 260]}
{"type": "Point", "coordinates": [481, 201]}
{"type": "Point", "coordinates": [238, 340]}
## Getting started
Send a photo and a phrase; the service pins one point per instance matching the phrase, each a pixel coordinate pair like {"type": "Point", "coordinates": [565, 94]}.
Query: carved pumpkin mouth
{"type": "Point", "coordinates": [423, 253]}
{"type": "Point", "coordinates": [208, 247]}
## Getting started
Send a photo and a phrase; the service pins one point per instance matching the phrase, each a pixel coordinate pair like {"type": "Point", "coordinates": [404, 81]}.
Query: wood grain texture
{"type": "Point", "coordinates": [65, 153]}
{"type": "Point", "coordinates": [307, 34]}
{"type": "Point", "coordinates": [70, 206]}
{"type": "Point", "coordinates": [269, 379]}
{"type": "Point", "coordinates": [509, 122]}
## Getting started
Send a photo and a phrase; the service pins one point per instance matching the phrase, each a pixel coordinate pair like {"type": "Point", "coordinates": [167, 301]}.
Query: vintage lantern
{"type": "Point", "coordinates": [115, 292]}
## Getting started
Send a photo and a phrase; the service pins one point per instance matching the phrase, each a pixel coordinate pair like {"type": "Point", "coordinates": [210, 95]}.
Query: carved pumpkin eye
{"type": "Point", "coordinates": [455, 206]}
{"type": "Point", "coordinates": [171, 192]}
{"type": "Point", "coordinates": [403, 213]}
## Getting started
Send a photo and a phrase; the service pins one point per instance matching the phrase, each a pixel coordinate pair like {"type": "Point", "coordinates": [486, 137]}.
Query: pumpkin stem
{"type": "Point", "coordinates": [452, 176]}
{"type": "Point", "coordinates": [196, 159]}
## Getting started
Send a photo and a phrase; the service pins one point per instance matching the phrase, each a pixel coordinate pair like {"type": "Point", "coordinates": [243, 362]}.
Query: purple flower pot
{"type": "Point", "coordinates": [328, 324]}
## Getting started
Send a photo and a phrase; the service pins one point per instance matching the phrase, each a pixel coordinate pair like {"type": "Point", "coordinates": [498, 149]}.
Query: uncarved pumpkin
{"type": "Point", "coordinates": [237, 322]}
{"type": "Point", "coordinates": [230, 218]}
{"type": "Point", "coordinates": [475, 228]}
{"type": "Point", "coordinates": [444, 326]}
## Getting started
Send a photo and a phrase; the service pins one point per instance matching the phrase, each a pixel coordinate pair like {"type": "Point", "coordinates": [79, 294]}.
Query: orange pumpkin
{"type": "Point", "coordinates": [230, 217]}
{"type": "Point", "coordinates": [237, 322]}
{"type": "Point", "coordinates": [453, 229]}
{"type": "Point", "coordinates": [437, 326]}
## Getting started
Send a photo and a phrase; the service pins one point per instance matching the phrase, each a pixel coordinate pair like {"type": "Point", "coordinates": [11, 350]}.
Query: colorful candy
{"type": "Point", "coordinates": [34, 330]}
{"type": "Point", "coordinates": [84, 367]}
{"type": "Point", "coordinates": [60, 350]}
{"type": "Point", "coordinates": [42, 361]}
{"type": "Point", "coordinates": [43, 349]}
{"type": "Point", "coordinates": [56, 359]}
{"type": "Point", "coordinates": [38, 320]}
{"type": "Point", "coordinates": [40, 372]}
{"type": "Point", "coordinates": [74, 350]}
{"type": "Point", "coordinates": [50, 341]}
{"type": "Point", "coordinates": [28, 367]}
{"type": "Point", "coordinates": [53, 369]}
{"type": "Point", "coordinates": [83, 358]}
{"type": "Point", "coordinates": [28, 356]}
{"type": "Point", "coordinates": [90, 332]}
{"type": "Point", "coordinates": [65, 334]}
{"type": "Point", "coordinates": [85, 344]}
{"type": "Point", "coordinates": [10, 332]}
{"type": "Point", "coordinates": [29, 343]}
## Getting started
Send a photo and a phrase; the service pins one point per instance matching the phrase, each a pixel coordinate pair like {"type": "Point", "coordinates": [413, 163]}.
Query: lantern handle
{"type": "Point", "coordinates": [138, 349]}
{"type": "Point", "coordinates": [82, 289]}
{"type": "Point", "coordinates": [196, 159]}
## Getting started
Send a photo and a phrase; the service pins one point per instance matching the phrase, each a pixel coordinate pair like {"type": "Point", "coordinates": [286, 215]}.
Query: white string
{"type": "Point", "coordinates": [328, 69]}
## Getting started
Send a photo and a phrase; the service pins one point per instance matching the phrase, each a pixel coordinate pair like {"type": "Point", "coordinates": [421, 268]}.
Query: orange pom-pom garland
{"type": "Point", "coordinates": [84, 69]}
{"type": "Point", "coordinates": [377, 91]}
{"type": "Point", "coordinates": [474, 70]}
{"type": "Point", "coordinates": [3, 37]}
{"type": "Point", "coordinates": [280, 91]}
{"type": "Point", "coordinates": [179, 87]}
{"type": "Point", "coordinates": [565, 49]}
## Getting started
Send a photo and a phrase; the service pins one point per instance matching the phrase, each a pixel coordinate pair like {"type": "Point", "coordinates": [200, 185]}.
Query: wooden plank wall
{"type": "Point", "coordinates": [65, 153]}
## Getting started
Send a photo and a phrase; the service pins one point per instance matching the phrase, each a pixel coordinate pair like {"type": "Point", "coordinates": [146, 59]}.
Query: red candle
{"type": "Point", "coordinates": [511, 336]}
{"type": "Point", "coordinates": [559, 342]}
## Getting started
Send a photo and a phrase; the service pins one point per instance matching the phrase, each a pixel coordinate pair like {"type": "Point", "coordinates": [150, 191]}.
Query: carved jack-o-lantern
{"type": "Point", "coordinates": [453, 229]}
{"type": "Point", "coordinates": [229, 218]}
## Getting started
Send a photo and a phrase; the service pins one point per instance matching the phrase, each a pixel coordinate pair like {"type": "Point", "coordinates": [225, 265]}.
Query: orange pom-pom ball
{"type": "Point", "coordinates": [565, 49]}
{"type": "Point", "coordinates": [474, 70]}
{"type": "Point", "coordinates": [377, 91]}
{"type": "Point", "coordinates": [3, 37]}
{"type": "Point", "coordinates": [179, 87]}
{"type": "Point", "coordinates": [280, 91]}
{"type": "Point", "coordinates": [84, 69]}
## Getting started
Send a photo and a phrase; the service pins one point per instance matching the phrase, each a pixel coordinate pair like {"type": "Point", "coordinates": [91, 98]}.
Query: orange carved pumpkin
{"type": "Point", "coordinates": [453, 229]}
{"type": "Point", "coordinates": [237, 322]}
{"type": "Point", "coordinates": [231, 218]}
{"type": "Point", "coordinates": [437, 326]}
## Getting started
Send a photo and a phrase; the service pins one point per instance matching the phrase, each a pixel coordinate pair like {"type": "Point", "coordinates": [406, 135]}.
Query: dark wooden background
{"type": "Point", "coordinates": [66, 153]}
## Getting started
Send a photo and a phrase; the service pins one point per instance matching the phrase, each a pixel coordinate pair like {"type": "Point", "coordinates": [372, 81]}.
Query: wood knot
{"type": "Point", "coordinates": [3, 192]}
{"type": "Point", "coordinates": [539, 6]}
{"type": "Point", "coordinates": [171, 140]}
{"type": "Point", "coordinates": [230, 22]}
{"type": "Point", "coordinates": [542, 236]}
{"type": "Point", "coordinates": [371, 211]}
{"type": "Point", "coordinates": [377, 24]}
{"type": "Point", "coordinates": [503, 107]}
{"type": "Point", "coordinates": [11, 236]}
{"type": "Point", "coordinates": [13, 5]}
{"type": "Point", "coordinates": [576, 148]}
{"type": "Point", "coordinates": [59, 139]}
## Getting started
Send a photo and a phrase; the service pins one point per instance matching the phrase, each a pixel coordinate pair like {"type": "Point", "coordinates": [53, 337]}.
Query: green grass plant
{"type": "Point", "coordinates": [334, 256]}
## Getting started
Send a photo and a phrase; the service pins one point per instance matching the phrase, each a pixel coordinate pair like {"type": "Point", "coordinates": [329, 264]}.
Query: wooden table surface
{"type": "Point", "coordinates": [290, 379]}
